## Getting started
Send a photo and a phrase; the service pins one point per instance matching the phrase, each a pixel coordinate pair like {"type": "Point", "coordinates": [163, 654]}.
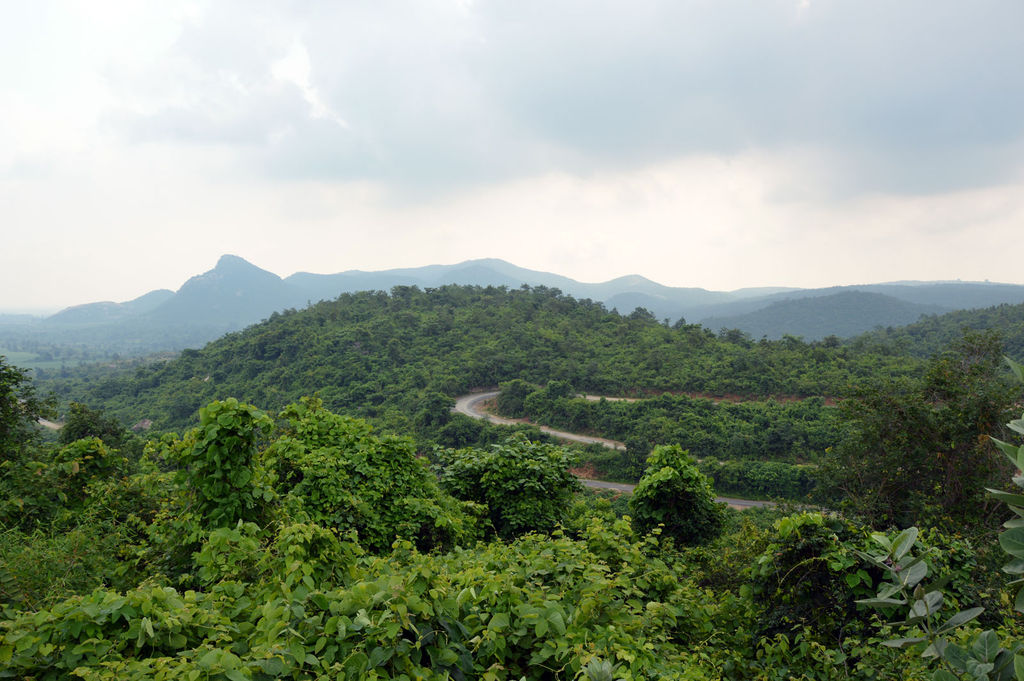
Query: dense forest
{"type": "Point", "coordinates": [399, 359]}
{"type": "Point", "coordinates": [385, 356]}
{"type": "Point", "coordinates": [351, 526]}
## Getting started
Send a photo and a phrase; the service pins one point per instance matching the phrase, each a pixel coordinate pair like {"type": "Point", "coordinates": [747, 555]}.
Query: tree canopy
{"type": "Point", "coordinates": [918, 449]}
{"type": "Point", "coordinates": [20, 410]}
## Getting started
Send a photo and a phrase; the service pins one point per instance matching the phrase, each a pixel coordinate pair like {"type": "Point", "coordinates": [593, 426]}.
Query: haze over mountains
{"type": "Point", "coordinates": [237, 293]}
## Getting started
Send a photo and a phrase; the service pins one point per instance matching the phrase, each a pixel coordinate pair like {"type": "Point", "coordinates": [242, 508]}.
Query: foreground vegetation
{"type": "Point", "coordinates": [303, 543]}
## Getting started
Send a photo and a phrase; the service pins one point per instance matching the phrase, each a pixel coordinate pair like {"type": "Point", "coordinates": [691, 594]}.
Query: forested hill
{"type": "Point", "coordinates": [236, 293]}
{"type": "Point", "coordinates": [387, 355]}
{"type": "Point", "coordinates": [842, 314]}
{"type": "Point", "coordinates": [933, 333]}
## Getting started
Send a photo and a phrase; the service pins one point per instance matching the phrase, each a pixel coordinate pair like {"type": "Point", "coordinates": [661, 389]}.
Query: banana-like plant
{"type": "Point", "coordinates": [1012, 538]}
{"type": "Point", "coordinates": [984, 658]}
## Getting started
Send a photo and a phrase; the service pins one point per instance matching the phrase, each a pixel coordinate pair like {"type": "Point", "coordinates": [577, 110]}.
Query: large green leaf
{"type": "Point", "coordinates": [557, 622]}
{"type": "Point", "coordinates": [499, 622]}
{"type": "Point", "coordinates": [1003, 666]}
{"type": "Point", "coordinates": [912, 575]}
{"type": "Point", "coordinates": [979, 670]}
{"type": "Point", "coordinates": [956, 656]}
{"type": "Point", "coordinates": [540, 628]}
{"type": "Point", "coordinates": [874, 560]}
{"type": "Point", "coordinates": [936, 649]}
{"type": "Point", "coordinates": [881, 602]}
{"type": "Point", "coordinates": [923, 608]}
{"type": "Point", "coordinates": [1011, 451]}
{"type": "Point", "coordinates": [901, 642]}
{"type": "Point", "coordinates": [1012, 541]}
{"type": "Point", "coordinates": [379, 656]}
{"type": "Point", "coordinates": [986, 646]}
{"type": "Point", "coordinates": [888, 590]}
{"type": "Point", "coordinates": [1017, 368]}
{"type": "Point", "coordinates": [959, 619]}
{"type": "Point", "coordinates": [1018, 603]}
{"type": "Point", "coordinates": [882, 541]}
{"type": "Point", "coordinates": [929, 605]}
{"type": "Point", "coordinates": [1007, 497]}
{"type": "Point", "coordinates": [904, 542]}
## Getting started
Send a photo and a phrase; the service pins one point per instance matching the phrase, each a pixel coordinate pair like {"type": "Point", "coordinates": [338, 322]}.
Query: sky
{"type": "Point", "coordinates": [712, 143]}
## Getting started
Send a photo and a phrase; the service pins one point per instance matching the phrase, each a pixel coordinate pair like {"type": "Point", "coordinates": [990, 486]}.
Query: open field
{"type": "Point", "coordinates": [29, 360]}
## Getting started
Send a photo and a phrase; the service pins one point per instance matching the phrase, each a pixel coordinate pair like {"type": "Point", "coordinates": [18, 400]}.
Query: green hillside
{"type": "Point", "coordinates": [932, 333]}
{"type": "Point", "coordinates": [843, 314]}
{"type": "Point", "coordinates": [385, 355]}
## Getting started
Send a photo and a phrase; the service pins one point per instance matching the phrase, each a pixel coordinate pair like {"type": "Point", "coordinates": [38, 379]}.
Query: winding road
{"type": "Point", "coordinates": [470, 406]}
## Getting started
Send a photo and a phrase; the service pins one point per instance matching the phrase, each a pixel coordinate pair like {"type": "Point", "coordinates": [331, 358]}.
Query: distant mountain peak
{"type": "Point", "coordinates": [235, 293]}
{"type": "Point", "coordinates": [230, 270]}
{"type": "Point", "coordinates": [489, 261]}
{"type": "Point", "coordinates": [633, 280]}
{"type": "Point", "coordinates": [233, 262]}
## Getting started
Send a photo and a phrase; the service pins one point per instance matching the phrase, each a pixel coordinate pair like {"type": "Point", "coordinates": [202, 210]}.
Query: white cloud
{"type": "Point", "coordinates": [704, 144]}
{"type": "Point", "coordinates": [709, 221]}
{"type": "Point", "coordinates": [294, 68]}
{"type": "Point", "coordinates": [443, 92]}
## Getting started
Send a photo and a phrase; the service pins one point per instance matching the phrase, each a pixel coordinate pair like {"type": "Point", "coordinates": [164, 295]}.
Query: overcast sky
{"type": "Point", "coordinates": [711, 143]}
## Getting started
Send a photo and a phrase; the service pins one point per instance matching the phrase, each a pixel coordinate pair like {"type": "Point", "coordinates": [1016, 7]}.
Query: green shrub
{"type": "Point", "coordinates": [512, 397]}
{"type": "Point", "coordinates": [38, 569]}
{"type": "Point", "coordinates": [537, 608]}
{"type": "Point", "coordinates": [674, 494]}
{"type": "Point", "coordinates": [218, 467]}
{"type": "Point", "coordinates": [53, 486]}
{"type": "Point", "coordinates": [810, 576]}
{"type": "Point", "coordinates": [759, 479]}
{"type": "Point", "coordinates": [526, 486]}
{"type": "Point", "coordinates": [334, 471]}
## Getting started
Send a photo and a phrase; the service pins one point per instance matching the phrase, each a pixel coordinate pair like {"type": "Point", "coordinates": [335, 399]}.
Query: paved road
{"type": "Point", "coordinates": [626, 488]}
{"type": "Point", "coordinates": [623, 487]}
{"type": "Point", "coordinates": [470, 406]}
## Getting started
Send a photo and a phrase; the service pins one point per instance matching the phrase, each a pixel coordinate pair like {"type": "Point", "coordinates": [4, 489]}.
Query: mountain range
{"type": "Point", "coordinates": [236, 293]}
